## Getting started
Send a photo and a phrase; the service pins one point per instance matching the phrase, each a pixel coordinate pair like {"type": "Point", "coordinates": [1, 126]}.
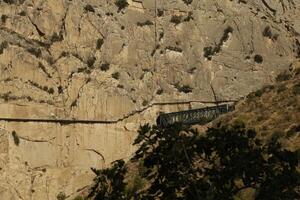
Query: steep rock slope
{"type": "Point", "coordinates": [274, 110]}
{"type": "Point", "coordinates": [92, 60]}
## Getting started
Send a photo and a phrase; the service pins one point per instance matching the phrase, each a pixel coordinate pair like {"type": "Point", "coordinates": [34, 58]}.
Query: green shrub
{"type": "Point", "coordinates": [91, 61]}
{"type": "Point", "coordinates": [208, 52]}
{"type": "Point", "coordinates": [14, 1]}
{"type": "Point", "coordinates": [3, 18]}
{"type": "Point", "coordinates": [189, 17]}
{"type": "Point", "coordinates": [16, 138]}
{"type": "Point", "coordinates": [159, 91]}
{"type": "Point", "coordinates": [268, 33]}
{"type": "Point", "coordinates": [89, 8]}
{"type": "Point", "coordinates": [177, 49]}
{"type": "Point", "coordinates": [116, 75]}
{"type": "Point", "coordinates": [183, 88]}
{"type": "Point", "coordinates": [61, 196]}
{"type": "Point", "coordinates": [186, 89]}
{"type": "Point", "coordinates": [109, 183]}
{"type": "Point", "coordinates": [105, 66]}
{"type": "Point", "coordinates": [145, 103]}
{"type": "Point", "coordinates": [60, 89]}
{"type": "Point", "coordinates": [160, 12]}
{"type": "Point", "coordinates": [121, 4]}
{"type": "Point", "coordinates": [146, 23]}
{"type": "Point", "coordinates": [3, 46]}
{"type": "Point", "coordinates": [120, 86]}
{"type": "Point", "coordinates": [22, 13]}
{"type": "Point", "coordinates": [258, 93]}
{"type": "Point", "coordinates": [51, 91]}
{"type": "Point", "coordinates": [99, 43]}
{"type": "Point", "coordinates": [176, 19]}
{"type": "Point", "coordinates": [56, 37]}
{"type": "Point", "coordinates": [187, 2]}
{"type": "Point", "coordinates": [258, 59]}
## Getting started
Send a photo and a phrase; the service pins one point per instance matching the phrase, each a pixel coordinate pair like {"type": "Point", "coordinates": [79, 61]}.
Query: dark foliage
{"type": "Point", "coordinates": [36, 52]}
{"type": "Point", "coordinates": [187, 2]}
{"type": "Point", "coordinates": [177, 49]}
{"type": "Point", "coordinates": [3, 18]}
{"type": "Point", "coordinates": [89, 8]}
{"type": "Point", "coordinates": [116, 75]}
{"type": "Point", "coordinates": [183, 88]}
{"type": "Point", "coordinates": [210, 51]}
{"type": "Point", "coordinates": [160, 12]}
{"type": "Point", "coordinates": [159, 91]}
{"type": "Point", "coordinates": [105, 66]}
{"type": "Point", "coordinates": [10, 1]}
{"type": "Point", "coordinates": [16, 138]}
{"type": "Point", "coordinates": [297, 48]}
{"type": "Point", "coordinates": [3, 46]}
{"type": "Point", "coordinates": [258, 59]}
{"type": "Point", "coordinates": [61, 196]}
{"type": "Point", "coordinates": [183, 165]}
{"type": "Point", "coordinates": [56, 37]}
{"type": "Point", "coordinates": [176, 19]}
{"type": "Point", "coordinates": [90, 62]}
{"type": "Point", "coordinates": [99, 43]}
{"type": "Point", "coordinates": [189, 17]}
{"type": "Point", "coordinates": [14, 1]}
{"type": "Point", "coordinates": [145, 23]}
{"type": "Point", "coordinates": [121, 4]}
{"type": "Point", "coordinates": [22, 13]}
{"type": "Point", "coordinates": [109, 183]}
{"type": "Point", "coordinates": [60, 89]}
{"type": "Point", "coordinates": [268, 33]}
{"type": "Point", "coordinates": [179, 163]}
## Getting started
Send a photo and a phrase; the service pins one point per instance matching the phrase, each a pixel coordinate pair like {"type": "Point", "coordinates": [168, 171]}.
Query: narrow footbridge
{"type": "Point", "coordinates": [195, 116]}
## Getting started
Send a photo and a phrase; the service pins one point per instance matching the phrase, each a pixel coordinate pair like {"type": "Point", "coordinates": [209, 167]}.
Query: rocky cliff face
{"type": "Point", "coordinates": [112, 66]}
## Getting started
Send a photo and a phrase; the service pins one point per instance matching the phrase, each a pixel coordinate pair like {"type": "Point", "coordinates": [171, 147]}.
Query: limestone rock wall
{"type": "Point", "coordinates": [89, 60]}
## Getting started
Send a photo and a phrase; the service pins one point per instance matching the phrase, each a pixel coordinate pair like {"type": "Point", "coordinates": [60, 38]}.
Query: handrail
{"type": "Point", "coordinates": [194, 116]}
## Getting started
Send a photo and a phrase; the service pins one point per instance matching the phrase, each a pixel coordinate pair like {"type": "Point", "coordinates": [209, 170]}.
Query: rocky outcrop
{"type": "Point", "coordinates": [112, 66]}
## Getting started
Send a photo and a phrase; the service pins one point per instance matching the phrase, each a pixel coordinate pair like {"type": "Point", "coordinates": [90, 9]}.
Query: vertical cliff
{"type": "Point", "coordinates": [110, 66]}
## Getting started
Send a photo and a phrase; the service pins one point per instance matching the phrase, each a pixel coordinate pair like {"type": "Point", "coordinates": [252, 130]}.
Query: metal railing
{"type": "Point", "coordinates": [195, 116]}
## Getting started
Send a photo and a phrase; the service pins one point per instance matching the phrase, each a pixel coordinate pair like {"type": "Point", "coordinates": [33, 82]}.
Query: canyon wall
{"type": "Point", "coordinates": [78, 77]}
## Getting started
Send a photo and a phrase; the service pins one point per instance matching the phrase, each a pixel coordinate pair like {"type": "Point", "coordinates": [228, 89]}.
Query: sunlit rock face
{"type": "Point", "coordinates": [89, 60]}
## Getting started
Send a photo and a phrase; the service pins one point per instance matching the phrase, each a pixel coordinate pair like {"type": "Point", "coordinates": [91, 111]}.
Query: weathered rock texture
{"type": "Point", "coordinates": [89, 60]}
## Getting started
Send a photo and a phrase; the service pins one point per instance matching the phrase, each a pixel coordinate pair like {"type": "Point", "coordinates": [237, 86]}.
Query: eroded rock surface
{"type": "Point", "coordinates": [90, 60]}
